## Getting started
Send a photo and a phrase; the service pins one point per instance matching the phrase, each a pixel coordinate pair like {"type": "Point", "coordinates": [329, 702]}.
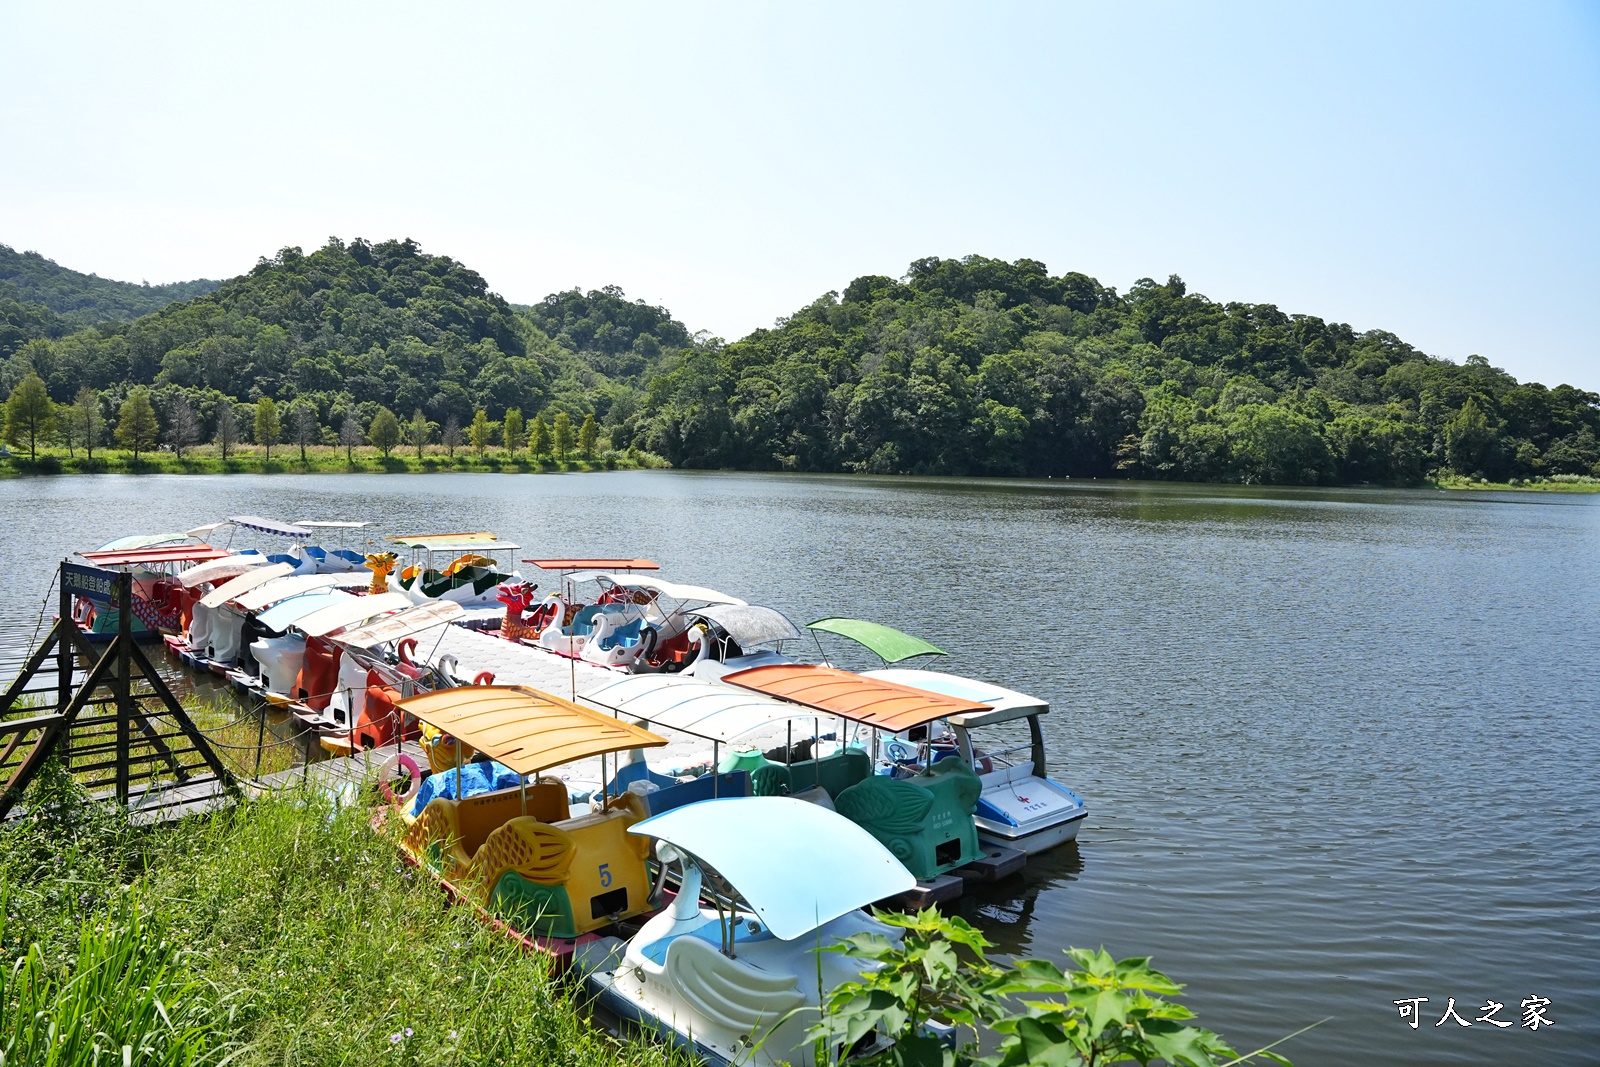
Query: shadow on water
{"type": "Point", "coordinates": [1005, 909]}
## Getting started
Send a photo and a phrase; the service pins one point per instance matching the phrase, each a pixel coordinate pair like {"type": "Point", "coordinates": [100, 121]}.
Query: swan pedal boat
{"type": "Point", "coordinates": [741, 981]}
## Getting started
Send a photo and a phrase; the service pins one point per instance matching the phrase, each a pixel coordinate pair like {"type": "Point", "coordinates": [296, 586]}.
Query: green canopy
{"type": "Point", "coordinates": [889, 644]}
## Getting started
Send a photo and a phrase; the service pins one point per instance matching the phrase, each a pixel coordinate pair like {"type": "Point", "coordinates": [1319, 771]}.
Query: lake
{"type": "Point", "coordinates": [1338, 746]}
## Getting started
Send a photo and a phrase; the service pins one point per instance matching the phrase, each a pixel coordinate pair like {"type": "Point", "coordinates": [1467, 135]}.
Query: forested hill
{"type": "Point", "coordinates": [85, 299]}
{"type": "Point", "coordinates": [973, 366]}
{"type": "Point", "coordinates": [352, 327]}
{"type": "Point", "coordinates": [979, 366]}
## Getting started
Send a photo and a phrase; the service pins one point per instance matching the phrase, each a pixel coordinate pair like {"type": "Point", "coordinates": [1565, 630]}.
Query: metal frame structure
{"type": "Point", "coordinates": [91, 692]}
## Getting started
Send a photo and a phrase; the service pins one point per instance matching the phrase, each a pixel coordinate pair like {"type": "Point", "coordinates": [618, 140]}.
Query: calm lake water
{"type": "Point", "coordinates": [1339, 747]}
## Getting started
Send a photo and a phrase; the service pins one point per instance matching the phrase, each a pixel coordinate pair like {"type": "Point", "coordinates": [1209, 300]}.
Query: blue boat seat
{"type": "Point", "coordinates": [706, 787]}
{"type": "Point", "coordinates": [626, 635]}
{"type": "Point", "coordinates": [282, 557]}
{"type": "Point", "coordinates": [317, 553]}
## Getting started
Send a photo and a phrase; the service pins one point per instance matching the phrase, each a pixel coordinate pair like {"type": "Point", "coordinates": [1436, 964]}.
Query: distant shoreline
{"type": "Point", "coordinates": [319, 459]}
{"type": "Point", "coordinates": [326, 459]}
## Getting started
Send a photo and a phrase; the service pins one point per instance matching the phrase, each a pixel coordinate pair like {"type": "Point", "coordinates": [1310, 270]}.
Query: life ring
{"type": "Point", "coordinates": [483, 678]}
{"type": "Point", "coordinates": [399, 759]}
{"type": "Point", "coordinates": [405, 649]}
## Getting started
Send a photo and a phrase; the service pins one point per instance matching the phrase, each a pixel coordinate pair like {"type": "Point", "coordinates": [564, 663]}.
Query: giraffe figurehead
{"type": "Point", "coordinates": [381, 564]}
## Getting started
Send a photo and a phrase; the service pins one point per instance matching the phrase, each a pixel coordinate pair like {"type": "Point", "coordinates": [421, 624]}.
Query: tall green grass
{"type": "Point", "coordinates": [299, 932]}
{"type": "Point", "coordinates": [127, 996]}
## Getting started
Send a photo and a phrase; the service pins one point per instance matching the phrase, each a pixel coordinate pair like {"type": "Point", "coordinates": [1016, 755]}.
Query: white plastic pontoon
{"type": "Point", "coordinates": [725, 982]}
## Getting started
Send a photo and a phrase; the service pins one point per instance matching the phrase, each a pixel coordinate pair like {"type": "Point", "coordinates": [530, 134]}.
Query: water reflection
{"type": "Point", "coordinates": [1338, 747]}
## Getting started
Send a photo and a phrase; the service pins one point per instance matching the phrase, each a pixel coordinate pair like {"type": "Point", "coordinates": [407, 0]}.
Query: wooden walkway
{"type": "Point", "coordinates": [171, 802]}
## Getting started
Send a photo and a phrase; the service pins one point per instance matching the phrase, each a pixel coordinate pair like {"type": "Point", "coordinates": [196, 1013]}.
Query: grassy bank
{"type": "Point", "coordinates": [281, 932]}
{"type": "Point", "coordinates": [319, 459]}
{"type": "Point", "coordinates": [1560, 483]}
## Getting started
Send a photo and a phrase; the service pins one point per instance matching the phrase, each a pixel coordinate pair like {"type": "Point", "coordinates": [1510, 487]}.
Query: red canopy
{"type": "Point", "coordinates": [151, 556]}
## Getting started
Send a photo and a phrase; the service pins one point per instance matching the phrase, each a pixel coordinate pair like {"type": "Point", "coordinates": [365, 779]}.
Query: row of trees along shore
{"type": "Point", "coordinates": [145, 421]}
{"type": "Point", "coordinates": [969, 366]}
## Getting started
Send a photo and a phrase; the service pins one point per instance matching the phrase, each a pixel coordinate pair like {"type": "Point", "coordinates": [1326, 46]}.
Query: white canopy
{"type": "Point", "coordinates": [270, 526]}
{"type": "Point", "coordinates": [704, 709]}
{"type": "Point", "coordinates": [1005, 704]}
{"type": "Point", "coordinates": [461, 548]}
{"type": "Point", "coordinates": [244, 583]}
{"type": "Point", "coordinates": [797, 864]}
{"type": "Point", "coordinates": [219, 569]}
{"type": "Point", "coordinates": [675, 590]}
{"type": "Point", "coordinates": [326, 620]}
{"type": "Point", "coordinates": [402, 624]}
{"type": "Point", "coordinates": [282, 589]}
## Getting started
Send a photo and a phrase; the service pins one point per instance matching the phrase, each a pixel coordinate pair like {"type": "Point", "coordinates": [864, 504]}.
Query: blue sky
{"type": "Point", "coordinates": [1430, 169]}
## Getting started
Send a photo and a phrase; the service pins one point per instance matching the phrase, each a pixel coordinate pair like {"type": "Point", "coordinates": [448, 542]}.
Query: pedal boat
{"type": "Point", "coordinates": [1020, 807]}
{"type": "Point", "coordinates": [741, 981]}
{"type": "Point", "coordinates": [159, 602]}
{"type": "Point", "coordinates": [373, 671]}
{"type": "Point", "coordinates": [521, 854]}
{"type": "Point", "coordinates": [458, 567]}
{"type": "Point", "coordinates": [925, 819]}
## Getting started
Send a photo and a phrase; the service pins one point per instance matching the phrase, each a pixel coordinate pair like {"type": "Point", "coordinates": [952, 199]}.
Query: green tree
{"type": "Point", "coordinates": [561, 433]}
{"type": "Point", "coordinates": [511, 433]}
{"type": "Point", "coordinates": [384, 431]}
{"type": "Point", "coordinates": [588, 434]}
{"type": "Point", "coordinates": [268, 426]}
{"type": "Point", "coordinates": [30, 415]}
{"type": "Point", "coordinates": [88, 425]}
{"type": "Point", "coordinates": [1471, 446]}
{"type": "Point", "coordinates": [137, 429]}
{"type": "Point", "coordinates": [538, 436]}
{"type": "Point", "coordinates": [66, 429]}
{"type": "Point", "coordinates": [479, 432]}
{"type": "Point", "coordinates": [418, 431]}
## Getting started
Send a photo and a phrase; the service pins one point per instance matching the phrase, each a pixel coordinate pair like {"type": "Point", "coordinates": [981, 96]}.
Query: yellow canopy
{"type": "Point", "coordinates": [523, 728]}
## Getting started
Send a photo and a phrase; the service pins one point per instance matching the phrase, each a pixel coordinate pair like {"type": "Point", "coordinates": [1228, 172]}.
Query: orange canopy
{"type": "Point", "coordinates": [873, 701]}
{"type": "Point", "coordinates": [523, 728]}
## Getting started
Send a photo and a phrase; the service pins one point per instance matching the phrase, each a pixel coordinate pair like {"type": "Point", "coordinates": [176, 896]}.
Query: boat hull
{"type": "Point", "coordinates": [1041, 840]}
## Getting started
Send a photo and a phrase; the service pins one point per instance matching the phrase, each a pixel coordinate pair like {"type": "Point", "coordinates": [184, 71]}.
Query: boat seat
{"type": "Point", "coordinates": [835, 773]}
{"type": "Point", "coordinates": [926, 821]}
{"type": "Point", "coordinates": [319, 674]}
{"type": "Point", "coordinates": [449, 833]}
{"type": "Point", "coordinates": [706, 787]}
{"type": "Point", "coordinates": [638, 771]}
{"type": "Point", "coordinates": [566, 878]}
{"type": "Point", "coordinates": [283, 557]}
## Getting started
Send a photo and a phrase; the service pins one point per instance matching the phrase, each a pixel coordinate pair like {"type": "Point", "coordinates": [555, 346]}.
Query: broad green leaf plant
{"type": "Point", "coordinates": [935, 990]}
